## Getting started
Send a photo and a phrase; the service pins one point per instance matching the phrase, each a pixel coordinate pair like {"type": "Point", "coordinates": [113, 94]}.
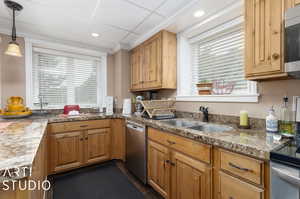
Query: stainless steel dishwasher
{"type": "Point", "coordinates": [136, 150]}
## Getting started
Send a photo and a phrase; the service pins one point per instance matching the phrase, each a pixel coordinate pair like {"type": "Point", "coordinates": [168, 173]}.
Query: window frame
{"type": "Point", "coordinates": [65, 49]}
{"type": "Point", "coordinates": [184, 52]}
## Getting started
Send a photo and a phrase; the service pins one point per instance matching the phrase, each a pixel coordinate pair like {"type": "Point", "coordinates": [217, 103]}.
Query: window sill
{"type": "Point", "coordinates": [252, 98]}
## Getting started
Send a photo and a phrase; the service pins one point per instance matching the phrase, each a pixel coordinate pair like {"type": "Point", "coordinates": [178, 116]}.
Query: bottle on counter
{"type": "Point", "coordinates": [286, 124]}
{"type": "Point", "coordinates": [272, 124]}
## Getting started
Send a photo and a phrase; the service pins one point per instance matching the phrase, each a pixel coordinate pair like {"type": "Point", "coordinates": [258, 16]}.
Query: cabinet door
{"type": "Point", "coordinates": [190, 178]}
{"type": "Point", "coordinates": [66, 151]}
{"type": "Point", "coordinates": [291, 3]}
{"type": "Point", "coordinates": [158, 168]}
{"type": "Point", "coordinates": [97, 145]}
{"type": "Point", "coordinates": [136, 69]}
{"type": "Point", "coordinates": [263, 36]}
{"type": "Point", "coordinates": [233, 188]}
{"type": "Point", "coordinates": [152, 63]}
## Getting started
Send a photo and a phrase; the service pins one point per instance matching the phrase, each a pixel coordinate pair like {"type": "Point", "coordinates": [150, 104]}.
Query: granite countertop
{"type": "Point", "coordinates": [20, 139]}
{"type": "Point", "coordinates": [255, 143]}
{"type": "Point", "coordinates": [19, 143]}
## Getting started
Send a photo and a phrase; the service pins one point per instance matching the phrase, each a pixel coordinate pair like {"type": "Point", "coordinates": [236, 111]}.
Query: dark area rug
{"type": "Point", "coordinates": [104, 181]}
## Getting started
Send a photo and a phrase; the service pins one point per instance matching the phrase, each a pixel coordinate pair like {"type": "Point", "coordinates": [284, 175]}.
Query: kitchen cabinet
{"type": "Point", "coordinates": [97, 145]}
{"type": "Point", "coordinates": [118, 143]}
{"type": "Point", "coordinates": [240, 177]}
{"type": "Point", "coordinates": [292, 3]}
{"type": "Point", "coordinates": [154, 63]}
{"type": "Point", "coordinates": [234, 188]}
{"type": "Point", "coordinates": [88, 142]}
{"type": "Point", "coordinates": [264, 34]}
{"type": "Point", "coordinates": [158, 169]}
{"type": "Point", "coordinates": [66, 150]}
{"type": "Point", "coordinates": [136, 69]}
{"type": "Point", "coordinates": [190, 178]}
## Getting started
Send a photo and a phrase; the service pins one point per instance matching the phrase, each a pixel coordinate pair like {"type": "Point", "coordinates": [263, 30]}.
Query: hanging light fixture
{"type": "Point", "coordinates": [13, 48]}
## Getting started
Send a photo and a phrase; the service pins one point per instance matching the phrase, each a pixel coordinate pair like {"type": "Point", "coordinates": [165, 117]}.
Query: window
{"type": "Point", "coordinates": [217, 56]}
{"type": "Point", "coordinates": [65, 78]}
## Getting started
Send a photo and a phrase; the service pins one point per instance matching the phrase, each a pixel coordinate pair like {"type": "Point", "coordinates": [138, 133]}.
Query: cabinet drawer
{"type": "Point", "coordinates": [189, 147]}
{"type": "Point", "coordinates": [233, 188]}
{"type": "Point", "coordinates": [77, 126]}
{"type": "Point", "coordinates": [243, 166]}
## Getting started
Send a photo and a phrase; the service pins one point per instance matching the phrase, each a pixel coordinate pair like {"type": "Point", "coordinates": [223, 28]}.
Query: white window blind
{"type": "Point", "coordinates": [220, 56]}
{"type": "Point", "coordinates": [64, 78]}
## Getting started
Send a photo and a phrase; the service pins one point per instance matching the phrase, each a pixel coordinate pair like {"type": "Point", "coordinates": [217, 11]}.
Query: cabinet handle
{"type": "Point", "coordinates": [171, 142]}
{"type": "Point", "coordinates": [170, 162]}
{"type": "Point", "coordinates": [275, 56]}
{"type": "Point", "coordinates": [81, 139]}
{"type": "Point", "coordinates": [86, 138]}
{"type": "Point", "coordinates": [239, 168]}
{"type": "Point", "coordinates": [83, 126]}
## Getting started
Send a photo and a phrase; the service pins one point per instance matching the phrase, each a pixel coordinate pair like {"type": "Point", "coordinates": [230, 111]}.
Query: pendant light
{"type": "Point", "coordinates": [13, 48]}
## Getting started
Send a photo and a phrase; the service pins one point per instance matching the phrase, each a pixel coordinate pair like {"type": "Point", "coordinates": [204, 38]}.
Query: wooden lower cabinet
{"type": "Point", "coordinates": [189, 178]}
{"type": "Point", "coordinates": [97, 145]}
{"type": "Point", "coordinates": [233, 188]}
{"type": "Point", "coordinates": [66, 151]}
{"type": "Point", "coordinates": [158, 168]}
{"type": "Point", "coordinates": [79, 148]}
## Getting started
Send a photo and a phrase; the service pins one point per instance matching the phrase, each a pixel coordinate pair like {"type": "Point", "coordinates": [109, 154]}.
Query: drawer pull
{"type": "Point", "coordinates": [81, 139]}
{"type": "Point", "coordinates": [239, 168]}
{"type": "Point", "coordinates": [171, 142]}
{"type": "Point", "coordinates": [170, 162]}
{"type": "Point", "coordinates": [83, 126]}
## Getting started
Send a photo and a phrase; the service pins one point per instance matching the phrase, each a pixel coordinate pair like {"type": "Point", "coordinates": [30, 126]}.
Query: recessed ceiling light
{"type": "Point", "coordinates": [199, 13]}
{"type": "Point", "coordinates": [95, 34]}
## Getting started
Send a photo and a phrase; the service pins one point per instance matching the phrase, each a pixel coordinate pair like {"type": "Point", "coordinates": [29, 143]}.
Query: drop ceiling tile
{"type": "Point", "coordinates": [152, 5]}
{"type": "Point", "coordinates": [150, 23]}
{"type": "Point", "coordinates": [171, 6]}
{"type": "Point", "coordinates": [130, 38]}
{"type": "Point", "coordinates": [108, 32]}
{"type": "Point", "coordinates": [120, 13]}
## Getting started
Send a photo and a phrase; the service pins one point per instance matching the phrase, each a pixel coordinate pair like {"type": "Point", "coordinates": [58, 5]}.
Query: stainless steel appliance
{"type": "Point", "coordinates": [292, 42]}
{"type": "Point", "coordinates": [285, 165]}
{"type": "Point", "coordinates": [285, 172]}
{"type": "Point", "coordinates": [136, 150]}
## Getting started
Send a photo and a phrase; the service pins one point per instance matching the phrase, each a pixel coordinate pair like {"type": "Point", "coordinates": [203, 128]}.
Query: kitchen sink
{"type": "Point", "coordinates": [211, 128]}
{"type": "Point", "coordinates": [180, 123]}
{"type": "Point", "coordinates": [198, 126]}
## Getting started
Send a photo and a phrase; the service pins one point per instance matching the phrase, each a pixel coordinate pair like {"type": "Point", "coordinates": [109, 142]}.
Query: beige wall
{"type": "Point", "coordinates": [271, 93]}
{"type": "Point", "coordinates": [121, 77]}
{"type": "Point", "coordinates": [12, 71]}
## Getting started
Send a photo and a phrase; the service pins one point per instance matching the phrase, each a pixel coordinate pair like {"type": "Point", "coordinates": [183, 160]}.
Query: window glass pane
{"type": "Point", "coordinates": [220, 57]}
{"type": "Point", "coordinates": [64, 80]}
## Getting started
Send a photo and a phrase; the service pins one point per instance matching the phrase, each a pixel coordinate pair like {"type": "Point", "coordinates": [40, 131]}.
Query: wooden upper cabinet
{"type": "Point", "coordinates": [190, 178]}
{"type": "Point", "coordinates": [154, 63]}
{"type": "Point", "coordinates": [97, 145]}
{"type": "Point", "coordinates": [292, 3]}
{"type": "Point", "coordinates": [136, 69]}
{"type": "Point", "coordinates": [158, 168]}
{"type": "Point", "coordinates": [66, 151]}
{"type": "Point", "coordinates": [264, 39]}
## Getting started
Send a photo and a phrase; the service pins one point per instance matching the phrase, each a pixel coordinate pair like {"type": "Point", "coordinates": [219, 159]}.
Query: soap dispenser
{"type": "Point", "coordinates": [272, 124]}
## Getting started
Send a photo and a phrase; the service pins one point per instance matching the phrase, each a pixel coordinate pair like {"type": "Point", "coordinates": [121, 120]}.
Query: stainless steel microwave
{"type": "Point", "coordinates": [292, 41]}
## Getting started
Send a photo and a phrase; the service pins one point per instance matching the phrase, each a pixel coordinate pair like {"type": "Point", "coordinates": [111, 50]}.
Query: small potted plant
{"type": "Point", "coordinates": [205, 87]}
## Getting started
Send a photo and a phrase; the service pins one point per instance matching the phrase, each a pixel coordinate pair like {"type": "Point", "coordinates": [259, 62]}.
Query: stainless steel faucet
{"type": "Point", "coordinates": [41, 103]}
{"type": "Point", "coordinates": [204, 110]}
